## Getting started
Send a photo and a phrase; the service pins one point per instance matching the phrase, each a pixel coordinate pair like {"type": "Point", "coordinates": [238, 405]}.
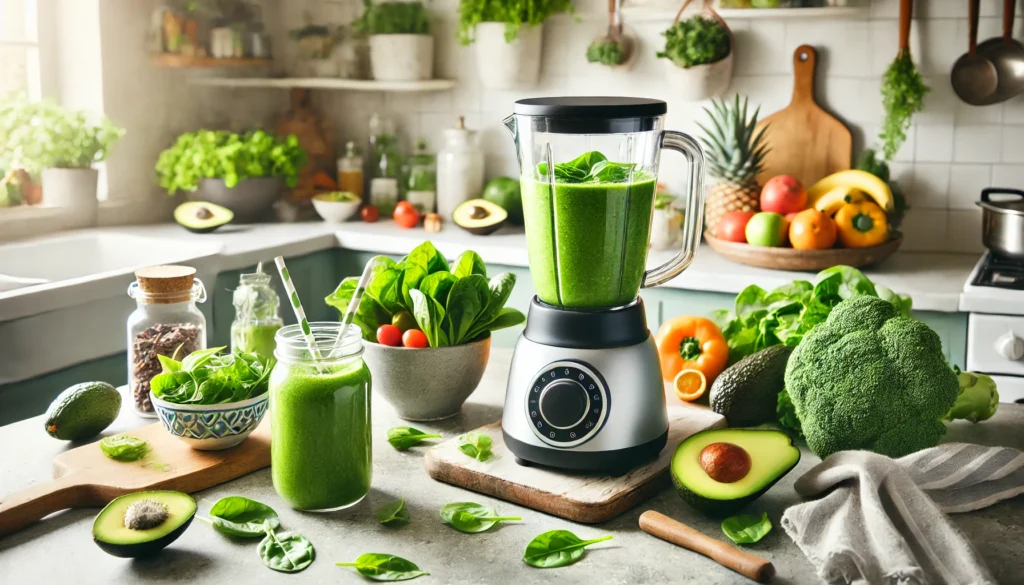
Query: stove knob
{"type": "Point", "coordinates": [1010, 346]}
{"type": "Point", "coordinates": [564, 403]}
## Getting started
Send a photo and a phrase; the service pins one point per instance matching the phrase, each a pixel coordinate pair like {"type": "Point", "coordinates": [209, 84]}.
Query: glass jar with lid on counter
{"type": "Point", "coordinates": [421, 189]}
{"type": "Point", "coordinates": [165, 322]}
{"type": "Point", "coordinates": [256, 315]}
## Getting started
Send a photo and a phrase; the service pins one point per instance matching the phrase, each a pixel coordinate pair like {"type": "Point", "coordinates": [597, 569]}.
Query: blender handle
{"type": "Point", "coordinates": [694, 218]}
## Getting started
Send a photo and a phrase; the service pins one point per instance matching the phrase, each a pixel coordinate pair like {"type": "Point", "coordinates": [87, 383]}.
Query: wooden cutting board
{"type": "Point", "coordinates": [577, 497]}
{"type": "Point", "coordinates": [86, 478]}
{"type": "Point", "coordinates": [804, 140]}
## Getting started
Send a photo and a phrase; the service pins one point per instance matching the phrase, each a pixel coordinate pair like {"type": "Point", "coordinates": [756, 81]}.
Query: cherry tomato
{"type": "Point", "coordinates": [414, 338]}
{"type": "Point", "coordinates": [389, 335]}
{"type": "Point", "coordinates": [369, 213]}
{"type": "Point", "coordinates": [406, 216]}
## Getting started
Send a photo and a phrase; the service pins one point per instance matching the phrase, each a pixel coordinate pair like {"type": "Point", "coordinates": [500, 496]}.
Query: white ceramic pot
{"type": "Point", "coordinates": [74, 191]}
{"type": "Point", "coordinates": [504, 65]}
{"type": "Point", "coordinates": [402, 57]}
{"type": "Point", "coordinates": [700, 82]}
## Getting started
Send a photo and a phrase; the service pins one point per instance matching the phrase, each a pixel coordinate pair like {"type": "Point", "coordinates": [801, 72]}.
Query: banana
{"type": "Point", "coordinates": [830, 202]}
{"type": "Point", "coordinates": [864, 181]}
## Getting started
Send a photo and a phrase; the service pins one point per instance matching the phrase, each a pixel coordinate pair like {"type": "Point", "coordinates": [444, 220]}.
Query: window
{"type": "Point", "coordinates": [19, 48]}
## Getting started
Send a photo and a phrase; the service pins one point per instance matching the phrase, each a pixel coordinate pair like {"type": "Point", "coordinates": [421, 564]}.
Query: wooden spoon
{"type": "Point", "coordinates": [974, 77]}
{"type": "Point", "coordinates": [1007, 55]}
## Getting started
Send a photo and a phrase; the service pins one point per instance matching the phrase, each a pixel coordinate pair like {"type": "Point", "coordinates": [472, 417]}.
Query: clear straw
{"type": "Point", "coordinates": [353, 304]}
{"type": "Point", "coordinates": [300, 314]}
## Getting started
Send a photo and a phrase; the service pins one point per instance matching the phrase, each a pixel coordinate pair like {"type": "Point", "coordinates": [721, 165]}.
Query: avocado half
{"type": "Point", "coordinates": [202, 217]}
{"type": "Point", "coordinates": [479, 216]}
{"type": "Point", "coordinates": [143, 523]}
{"type": "Point", "coordinates": [769, 455]}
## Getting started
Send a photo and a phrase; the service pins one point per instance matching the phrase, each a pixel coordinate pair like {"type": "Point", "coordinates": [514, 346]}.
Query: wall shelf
{"type": "Point", "coordinates": [325, 83]}
{"type": "Point", "coordinates": [659, 11]}
{"type": "Point", "coordinates": [178, 61]}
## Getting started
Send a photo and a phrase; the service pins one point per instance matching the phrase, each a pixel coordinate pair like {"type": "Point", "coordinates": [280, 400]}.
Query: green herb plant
{"type": "Point", "coordinates": [452, 305]}
{"type": "Point", "coordinates": [557, 548]}
{"type": "Point", "coordinates": [124, 448]}
{"type": "Point", "coordinates": [393, 514]}
{"type": "Point", "coordinates": [402, 438]}
{"type": "Point", "coordinates": [697, 40]}
{"type": "Point", "coordinates": [747, 529]}
{"type": "Point", "coordinates": [514, 13]}
{"type": "Point", "coordinates": [211, 377]}
{"type": "Point", "coordinates": [605, 52]}
{"type": "Point", "coordinates": [218, 154]}
{"type": "Point", "coordinates": [476, 445]}
{"type": "Point", "coordinates": [393, 18]}
{"type": "Point", "coordinates": [903, 93]}
{"type": "Point", "coordinates": [592, 167]}
{"type": "Point", "coordinates": [286, 552]}
{"type": "Point", "coordinates": [471, 518]}
{"type": "Point", "coordinates": [242, 517]}
{"type": "Point", "coordinates": [385, 567]}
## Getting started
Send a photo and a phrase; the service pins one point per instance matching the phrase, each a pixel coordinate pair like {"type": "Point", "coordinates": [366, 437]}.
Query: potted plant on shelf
{"type": "Point", "coordinates": [507, 35]}
{"type": "Point", "coordinates": [699, 53]}
{"type": "Point", "coordinates": [401, 47]}
{"type": "Point", "coordinates": [61, 146]}
{"type": "Point", "coordinates": [242, 172]}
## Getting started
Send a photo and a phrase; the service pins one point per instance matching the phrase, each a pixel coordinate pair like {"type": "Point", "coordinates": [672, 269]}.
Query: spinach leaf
{"type": "Point", "coordinates": [466, 301]}
{"type": "Point", "coordinates": [747, 529]}
{"type": "Point", "coordinates": [471, 517]}
{"type": "Point", "coordinates": [469, 262]}
{"type": "Point", "coordinates": [286, 552]}
{"type": "Point", "coordinates": [369, 315]}
{"type": "Point", "coordinates": [124, 448]}
{"type": "Point", "coordinates": [242, 517]}
{"type": "Point", "coordinates": [610, 172]}
{"type": "Point", "coordinates": [385, 567]}
{"type": "Point", "coordinates": [393, 513]}
{"type": "Point", "coordinates": [423, 260]}
{"type": "Point", "coordinates": [476, 445]}
{"type": "Point", "coordinates": [402, 438]}
{"type": "Point", "coordinates": [386, 289]}
{"type": "Point", "coordinates": [438, 285]}
{"type": "Point", "coordinates": [556, 548]}
{"type": "Point", "coordinates": [213, 377]}
{"type": "Point", "coordinates": [429, 316]}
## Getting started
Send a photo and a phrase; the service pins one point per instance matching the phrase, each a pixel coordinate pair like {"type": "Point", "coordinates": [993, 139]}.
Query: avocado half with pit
{"type": "Point", "coordinates": [202, 217]}
{"type": "Point", "coordinates": [719, 471]}
{"type": "Point", "coordinates": [479, 216]}
{"type": "Point", "coordinates": [143, 523]}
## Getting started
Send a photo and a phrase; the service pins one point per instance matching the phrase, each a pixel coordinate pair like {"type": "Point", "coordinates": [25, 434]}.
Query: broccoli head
{"type": "Point", "coordinates": [870, 379]}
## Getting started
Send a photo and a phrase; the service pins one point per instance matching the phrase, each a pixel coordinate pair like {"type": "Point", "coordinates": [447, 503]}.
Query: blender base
{"type": "Point", "coordinates": [615, 462]}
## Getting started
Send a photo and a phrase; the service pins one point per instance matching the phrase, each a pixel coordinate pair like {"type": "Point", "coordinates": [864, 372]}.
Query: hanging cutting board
{"type": "Point", "coordinates": [804, 140]}
{"type": "Point", "coordinates": [577, 497]}
{"type": "Point", "coordinates": [86, 478]}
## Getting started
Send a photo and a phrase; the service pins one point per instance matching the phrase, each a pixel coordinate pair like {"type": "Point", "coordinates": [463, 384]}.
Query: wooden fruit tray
{"type": "Point", "coordinates": [809, 260]}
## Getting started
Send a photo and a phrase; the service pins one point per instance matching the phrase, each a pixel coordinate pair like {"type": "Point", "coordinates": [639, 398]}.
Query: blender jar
{"type": "Point", "coordinates": [588, 170]}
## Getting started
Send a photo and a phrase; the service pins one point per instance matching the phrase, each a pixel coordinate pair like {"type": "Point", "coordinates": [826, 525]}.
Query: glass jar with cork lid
{"type": "Point", "coordinates": [165, 322]}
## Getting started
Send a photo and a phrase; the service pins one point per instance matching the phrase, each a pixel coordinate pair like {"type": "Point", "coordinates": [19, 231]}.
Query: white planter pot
{"type": "Point", "coordinates": [402, 57]}
{"type": "Point", "coordinates": [504, 65]}
{"type": "Point", "coordinates": [700, 82]}
{"type": "Point", "coordinates": [74, 191]}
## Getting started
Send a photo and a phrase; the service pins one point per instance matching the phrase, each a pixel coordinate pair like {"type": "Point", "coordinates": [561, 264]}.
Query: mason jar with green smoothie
{"type": "Point", "coordinates": [320, 447]}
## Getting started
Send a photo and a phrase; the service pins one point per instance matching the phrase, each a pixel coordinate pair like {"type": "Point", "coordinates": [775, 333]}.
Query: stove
{"type": "Point", "coordinates": [994, 296]}
{"type": "Point", "coordinates": [1000, 272]}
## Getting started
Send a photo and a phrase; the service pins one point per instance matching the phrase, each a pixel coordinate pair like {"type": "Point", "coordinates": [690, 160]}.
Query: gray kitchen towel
{"type": "Point", "coordinates": [882, 520]}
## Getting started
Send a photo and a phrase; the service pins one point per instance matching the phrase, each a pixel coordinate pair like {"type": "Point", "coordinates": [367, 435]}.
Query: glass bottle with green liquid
{"type": "Point", "coordinates": [256, 315]}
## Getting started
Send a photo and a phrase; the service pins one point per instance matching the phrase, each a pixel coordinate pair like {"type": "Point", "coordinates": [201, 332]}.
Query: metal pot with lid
{"type": "Point", "coordinates": [1002, 222]}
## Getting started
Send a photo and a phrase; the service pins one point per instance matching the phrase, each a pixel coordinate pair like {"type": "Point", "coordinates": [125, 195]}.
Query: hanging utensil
{"type": "Point", "coordinates": [1007, 56]}
{"type": "Point", "coordinates": [974, 77]}
{"type": "Point", "coordinates": [619, 35]}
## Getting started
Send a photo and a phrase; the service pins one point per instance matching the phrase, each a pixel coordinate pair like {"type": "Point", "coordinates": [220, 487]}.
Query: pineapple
{"type": "Point", "coordinates": [735, 155]}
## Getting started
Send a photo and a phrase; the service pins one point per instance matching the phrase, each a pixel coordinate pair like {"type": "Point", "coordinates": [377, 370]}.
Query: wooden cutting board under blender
{"type": "Point", "coordinates": [577, 497]}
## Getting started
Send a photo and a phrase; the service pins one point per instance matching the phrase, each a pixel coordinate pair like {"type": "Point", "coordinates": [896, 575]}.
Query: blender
{"type": "Point", "coordinates": [585, 390]}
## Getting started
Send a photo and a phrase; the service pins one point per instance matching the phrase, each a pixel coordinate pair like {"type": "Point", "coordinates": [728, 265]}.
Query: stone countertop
{"type": "Point", "coordinates": [59, 549]}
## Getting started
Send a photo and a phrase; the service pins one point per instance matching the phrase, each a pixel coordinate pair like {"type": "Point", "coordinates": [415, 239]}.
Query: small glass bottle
{"type": "Point", "coordinates": [320, 444]}
{"type": "Point", "coordinates": [350, 171]}
{"type": "Point", "coordinates": [165, 322]}
{"type": "Point", "coordinates": [422, 186]}
{"type": "Point", "coordinates": [256, 315]}
{"type": "Point", "coordinates": [385, 165]}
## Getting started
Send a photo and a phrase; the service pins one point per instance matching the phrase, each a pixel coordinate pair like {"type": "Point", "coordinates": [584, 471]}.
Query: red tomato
{"type": "Point", "coordinates": [369, 213]}
{"type": "Point", "coordinates": [389, 335]}
{"type": "Point", "coordinates": [733, 225]}
{"type": "Point", "coordinates": [406, 216]}
{"type": "Point", "coordinates": [414, 338]}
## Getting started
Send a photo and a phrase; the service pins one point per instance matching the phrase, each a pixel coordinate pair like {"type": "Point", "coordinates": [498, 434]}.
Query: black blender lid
{"type": "Point", "coordinates": [590, 107]}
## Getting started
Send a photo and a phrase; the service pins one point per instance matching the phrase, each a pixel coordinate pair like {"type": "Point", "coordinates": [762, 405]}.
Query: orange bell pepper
{"type": "Point", "coordinates": [691, 343]}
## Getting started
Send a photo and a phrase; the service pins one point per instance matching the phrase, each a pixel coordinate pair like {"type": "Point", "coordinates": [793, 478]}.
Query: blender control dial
{"type": "Point", "coordinates": [567, 403]}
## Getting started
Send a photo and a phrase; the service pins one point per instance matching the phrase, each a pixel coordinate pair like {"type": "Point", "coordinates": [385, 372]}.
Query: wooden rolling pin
{"type": "Point", "coordinates": [744, 563]}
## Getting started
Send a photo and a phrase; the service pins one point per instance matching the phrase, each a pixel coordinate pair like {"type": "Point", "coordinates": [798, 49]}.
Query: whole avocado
{"type": "Point", "coordinates": [506, 193]}
{"type": "Point", "coordinates": [746, 393]}
{"type": "Point", "coordinates": [82, 411]}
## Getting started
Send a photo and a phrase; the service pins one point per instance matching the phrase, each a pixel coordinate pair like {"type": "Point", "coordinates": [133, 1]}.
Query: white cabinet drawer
{"type": "Point", "coordinates": [983, 334]}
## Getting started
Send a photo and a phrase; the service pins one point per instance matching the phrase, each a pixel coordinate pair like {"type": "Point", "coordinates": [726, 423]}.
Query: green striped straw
{"type": "Point", "coordinates": [353, 304]}
{"type": "Point", "coordinates": [300, 314]}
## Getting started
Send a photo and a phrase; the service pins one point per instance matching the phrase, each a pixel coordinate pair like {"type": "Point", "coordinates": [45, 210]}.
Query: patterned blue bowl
{"type": "Point", "coordinates": [211, 427]}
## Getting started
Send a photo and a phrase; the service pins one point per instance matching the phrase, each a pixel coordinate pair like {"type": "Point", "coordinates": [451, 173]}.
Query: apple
{"type": "Point", "coordinates": [733, 225]}
{"type": "Point", "coordinates": [783, 194]}
{"type": "Point", "coordinates": [767, 229]}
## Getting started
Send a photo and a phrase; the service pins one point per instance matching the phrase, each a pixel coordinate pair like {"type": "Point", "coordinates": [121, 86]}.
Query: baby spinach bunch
{"type": "Point", "coordinates": [394, 18]}
{"type": "Point", "coordinates": [452, 304]}
{"type": "Point", "coordinates": [514, 13]}
{"type": "Point", "coordinates": [219, 154]}
{"type": "Point", "coordinates": [605, 52]}
{"type": "Point", "coordinates": [698, 40]}
{"type": "Point", "coordinates": [210, 377]}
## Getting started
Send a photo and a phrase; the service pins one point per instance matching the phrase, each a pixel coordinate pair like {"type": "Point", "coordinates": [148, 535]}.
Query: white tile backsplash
{"type": "Point", "coordinates": [934, 143]}
{"type": "Point", "coordinates": [966, 183]}
{"type": "Point", "coordinates": [930, 186]}
{"type": "Point", "coordinates": [977, 144]}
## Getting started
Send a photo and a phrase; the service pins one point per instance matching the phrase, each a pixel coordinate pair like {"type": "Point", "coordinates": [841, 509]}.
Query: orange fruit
{"type": "Point", "coordinates": [812, 230]}
{"type": "Point", "coordinates": [690, 385]}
